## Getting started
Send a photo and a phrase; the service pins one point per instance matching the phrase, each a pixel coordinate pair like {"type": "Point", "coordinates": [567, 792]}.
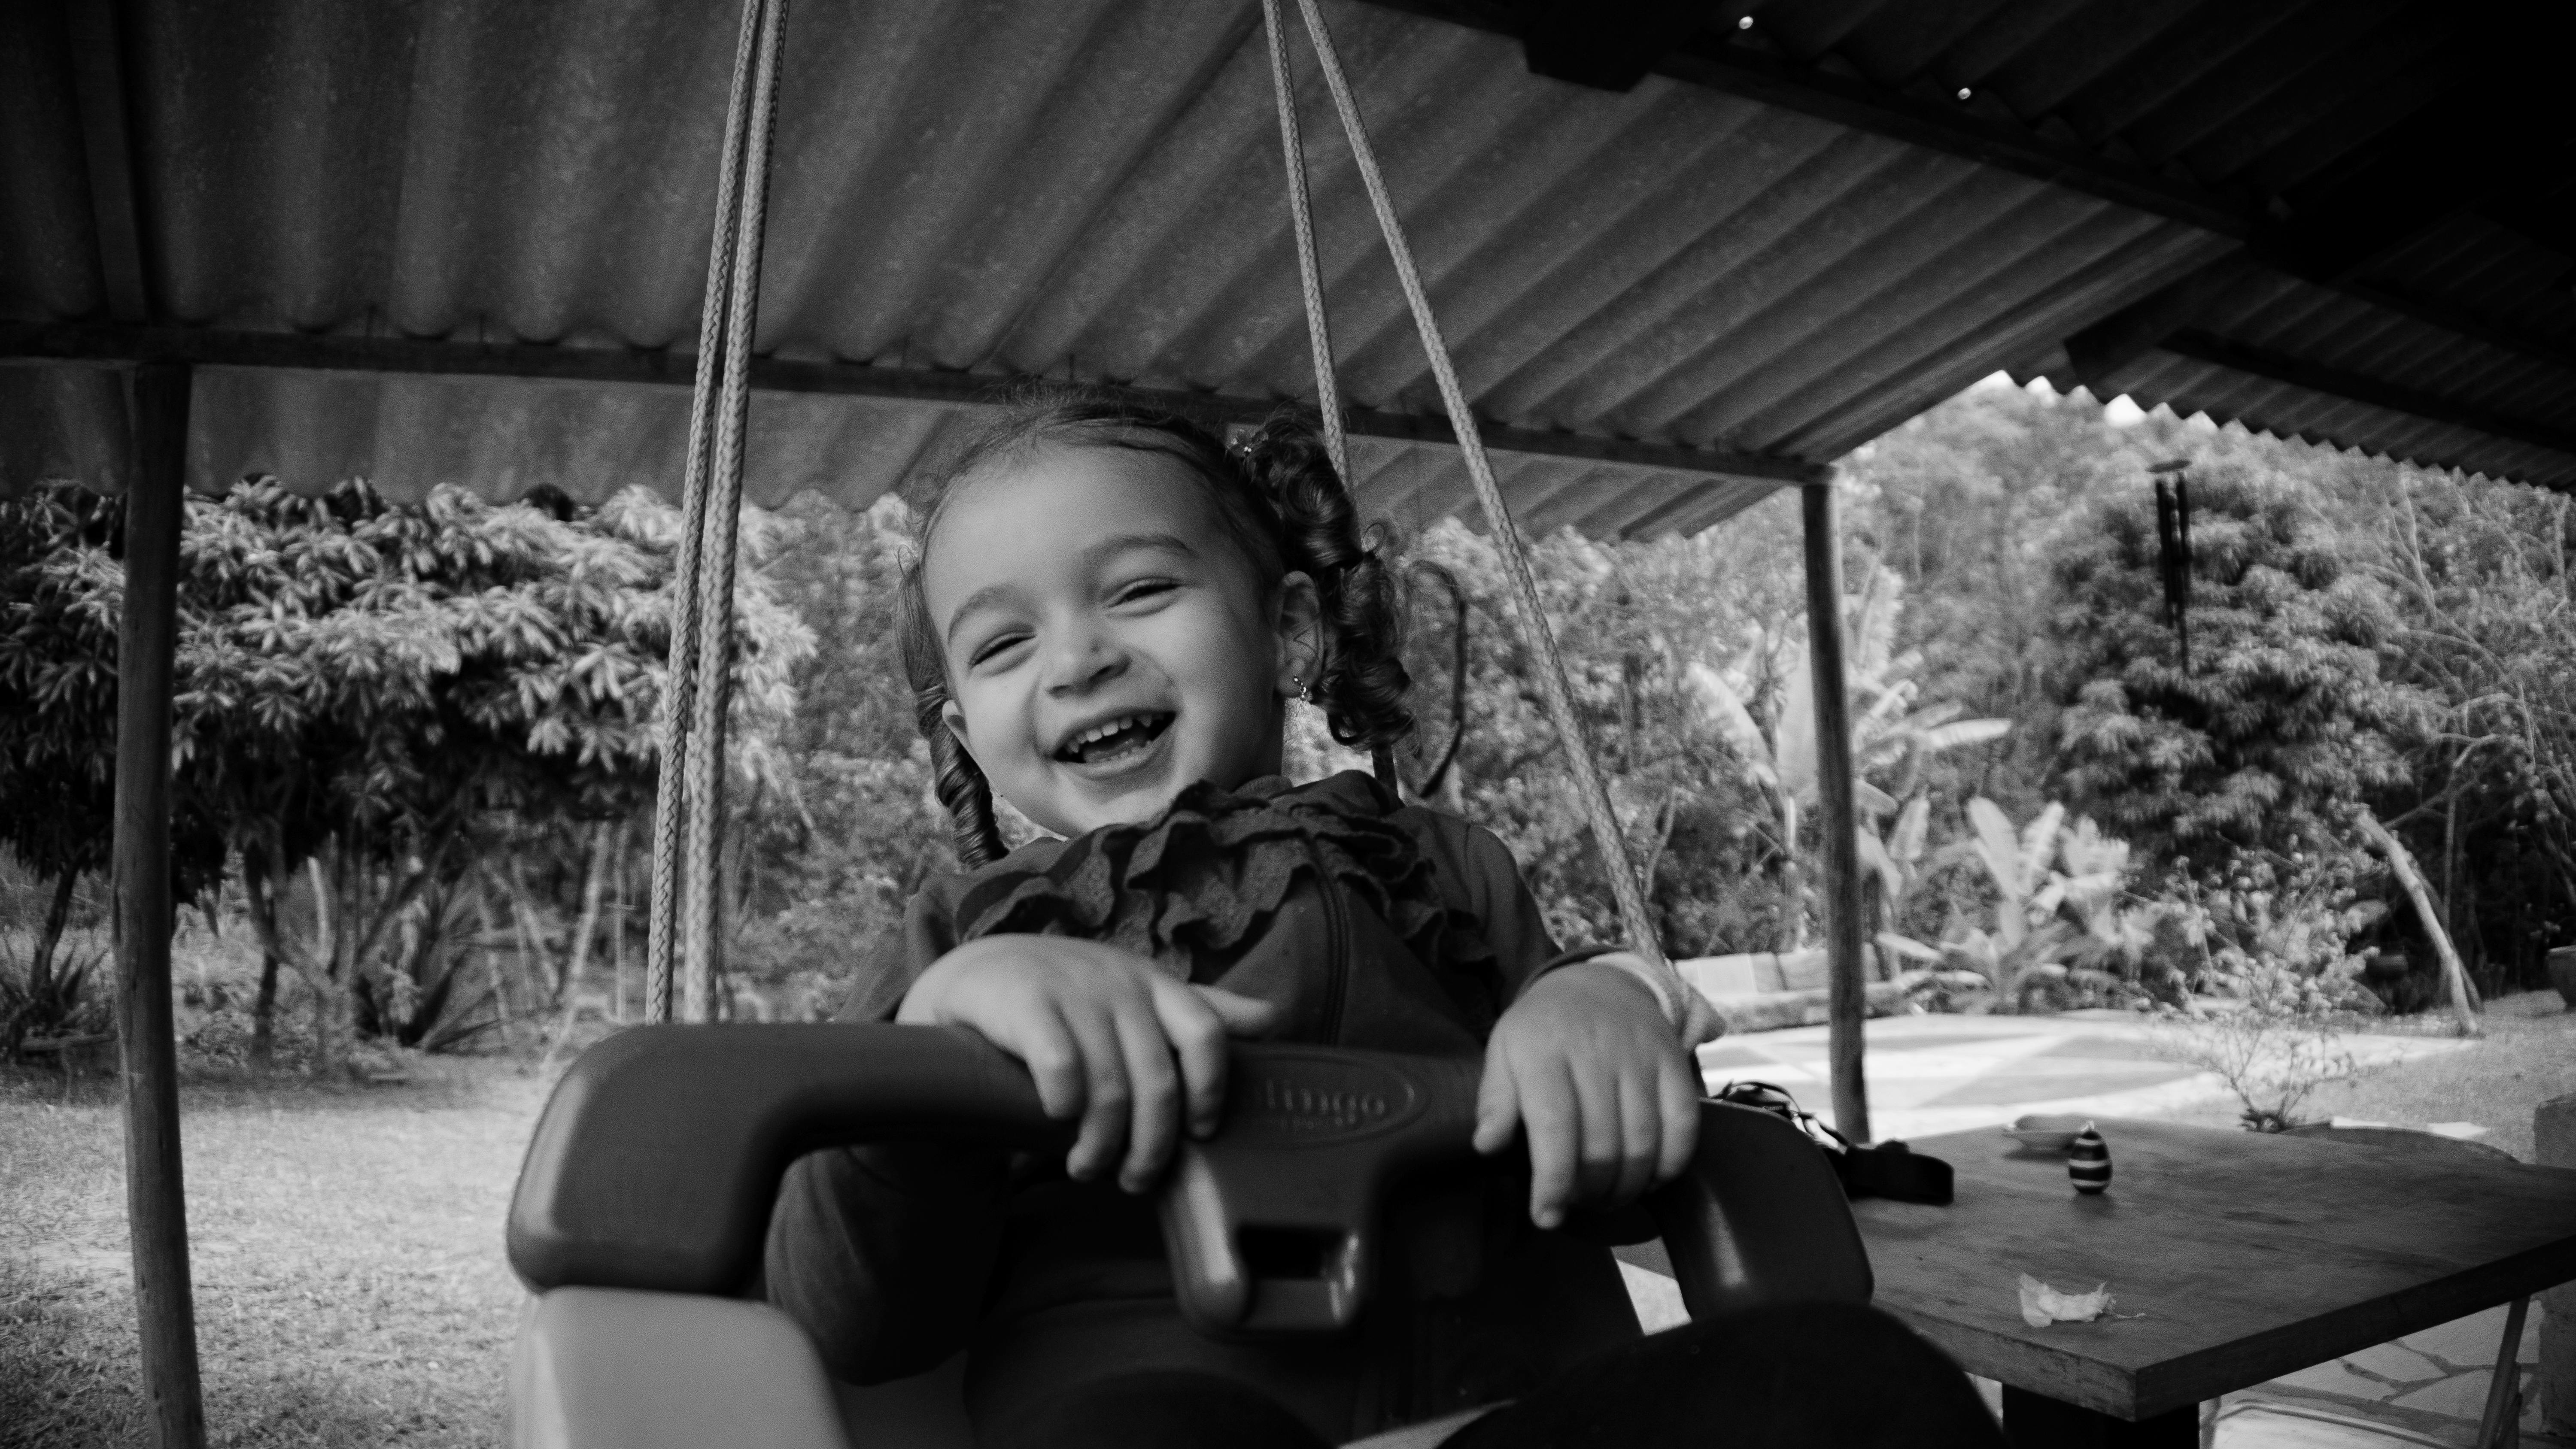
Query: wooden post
{"type": "Point", "coordinates": [1847, 1002]}
{"type": "Point", "coordinates": [2453, 974]}
{"type": "Point", "coordinates": [155, 1196]}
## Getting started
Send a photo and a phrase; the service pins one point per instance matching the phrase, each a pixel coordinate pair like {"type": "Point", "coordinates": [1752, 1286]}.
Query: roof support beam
{"type": "Point", "coordinates": [114, 344]}
{"type": "Point", "coordinates": [1952, 128]}
{"type": "Point", "coordinates": [2101, 350]}
{"type": "Point", "coordinates": [98, 81]}
{"type": "Point", "coordinates": [2325, 243]}
{"type": "Point", "coordinates": [1606, 44]}
{"type": "Point", "coordinates": [2545, 218]}
{"type": "Point", "coordinates": [1764, 75]}
{"type": "Point", "coordinates": [156, 1199]}
{"type": "Point", "coordinates": [2257, 362]}
{"type": "Point", "coordinates": [2494, 139]}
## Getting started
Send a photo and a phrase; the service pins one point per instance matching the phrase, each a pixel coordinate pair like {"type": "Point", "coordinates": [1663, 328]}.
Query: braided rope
{"type": "Point", "coordinates": [1678, 998]}
{"type": "Point", "coordinates": [706, 763]}
{"type": "Point", "coordinates": [1310, 277]}
{"type": "Point", "coordinates": [680, 668]}
{"type": "Point", "coordinates": [1310, 282]}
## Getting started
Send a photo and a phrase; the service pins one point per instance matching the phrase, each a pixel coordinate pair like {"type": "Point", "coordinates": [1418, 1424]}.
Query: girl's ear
{"type": "Point", "coordinates": [1299, 626]}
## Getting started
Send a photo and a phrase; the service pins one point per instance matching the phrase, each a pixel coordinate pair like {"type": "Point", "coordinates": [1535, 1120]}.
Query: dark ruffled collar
{"type": "Point", "coordinates": [1189, 887]}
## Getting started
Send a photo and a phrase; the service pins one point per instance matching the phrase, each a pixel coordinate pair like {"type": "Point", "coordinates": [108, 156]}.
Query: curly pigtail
{"type": "Point", "coordinates": [956, 777]}
{"type": "Point", "coordinates": [1363, 682]}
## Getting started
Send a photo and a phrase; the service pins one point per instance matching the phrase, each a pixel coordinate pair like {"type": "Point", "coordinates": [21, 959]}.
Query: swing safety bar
{"type": "Point", "coordinates": [657, 1158]}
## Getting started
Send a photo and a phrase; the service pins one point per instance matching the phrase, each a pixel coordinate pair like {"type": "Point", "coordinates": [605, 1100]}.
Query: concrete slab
{"type": "Point", "coordinates": [2461, 1396]}
{"type": "Point", "coordinates": [2471, 1342]}
{"type": "Point", "coordinates": [1938, 1073]}
{"type": "Point", "coordinates": [2099, 1047]}
{"type": "Point", "coordinates": [2088, 1079]}
{"type": "Point", "coordinates": [2148, 1101]}
{"type": "Point", "coordinates": [2397, 1365]}
{"type": "Point", "coordinates": [2256, 1425]}
{"type": "Point", "coordinates": [2334, 1378]}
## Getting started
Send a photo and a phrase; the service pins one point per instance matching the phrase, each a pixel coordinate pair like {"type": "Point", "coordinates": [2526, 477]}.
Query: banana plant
{"type": "Point", "coordinates": [1891, 739]}
{"type": "Point", "coordinates": [1896, 863]}
{"type": "Point", "coordinates": [2087, 891]}
{"type": "Point", "coordinates": [2052, 925]}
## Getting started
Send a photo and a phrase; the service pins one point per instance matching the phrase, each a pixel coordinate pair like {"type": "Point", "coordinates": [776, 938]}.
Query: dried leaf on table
{"type": "Point", "coordinates": [2042, 1305]}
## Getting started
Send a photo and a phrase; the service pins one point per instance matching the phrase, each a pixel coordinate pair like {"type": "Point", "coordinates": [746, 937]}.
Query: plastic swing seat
{"type": "Point", "coordinates": [642, 1206]}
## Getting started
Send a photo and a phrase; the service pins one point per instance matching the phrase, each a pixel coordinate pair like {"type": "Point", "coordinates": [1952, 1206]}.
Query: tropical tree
{"type": "Point", "coordinates": [845, 834]}
{"type": "Point", "coordinates": [2486, 607]}
{"type": "Point", "coordinates": [363, 688]}
{"type": "Point", "coordinates": [1629, 617]}
{"type": "Point", "coordinates": [2285, 714]}
{"type": "Point", "coordinates": [60, 599]}
{"type": "Point", "coordinates": [1965, 503]}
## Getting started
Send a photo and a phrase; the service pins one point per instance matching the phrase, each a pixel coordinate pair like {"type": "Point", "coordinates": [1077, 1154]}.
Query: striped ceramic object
{"type": "Point", "coordinates": [2088, 1161]}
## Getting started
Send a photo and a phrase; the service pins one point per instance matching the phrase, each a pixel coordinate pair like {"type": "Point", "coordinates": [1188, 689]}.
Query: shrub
{"type": "Point", "coordinates": [2282, 717]}
{"type": "Point", "coordinates": [2274, 1045]}
{"type": "Point", "coordinates": [39, 999]}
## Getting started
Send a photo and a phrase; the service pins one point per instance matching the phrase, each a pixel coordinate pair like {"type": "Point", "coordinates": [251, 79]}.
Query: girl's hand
{"type": "Point", "coordinates": [1100, 1031]}
{"type": "Point", "coordinates": [1586, 1064]}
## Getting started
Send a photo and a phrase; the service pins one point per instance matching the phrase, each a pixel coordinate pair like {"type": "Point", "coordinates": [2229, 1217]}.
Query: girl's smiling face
{"type": "Point", "coordinates": [1107, 642]}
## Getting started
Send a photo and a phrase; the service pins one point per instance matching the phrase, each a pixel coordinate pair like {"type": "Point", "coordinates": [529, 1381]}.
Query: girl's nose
{"type": "Point", "coordinates": [1082, 659]}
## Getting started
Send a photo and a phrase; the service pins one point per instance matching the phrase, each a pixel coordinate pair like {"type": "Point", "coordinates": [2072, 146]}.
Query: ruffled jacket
{"type": "Point", "coordinates": [1370, 924]}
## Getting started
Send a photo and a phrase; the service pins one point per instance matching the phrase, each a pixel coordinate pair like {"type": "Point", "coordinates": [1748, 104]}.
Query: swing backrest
{"type": "Point", "coordinates": [645, 1196]}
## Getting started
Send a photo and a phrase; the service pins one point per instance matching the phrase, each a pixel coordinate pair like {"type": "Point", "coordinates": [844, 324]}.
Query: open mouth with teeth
{"type": "Point", "coordinates": [1113, 740]}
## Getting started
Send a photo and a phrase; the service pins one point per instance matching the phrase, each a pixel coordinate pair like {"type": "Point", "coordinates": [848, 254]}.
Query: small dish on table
{"type": "Point", "coordinates": [2046, 1131]}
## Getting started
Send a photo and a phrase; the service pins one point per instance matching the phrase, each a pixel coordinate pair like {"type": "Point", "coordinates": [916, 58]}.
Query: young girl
{"type": "Point", "coordinates": [1106, 620]}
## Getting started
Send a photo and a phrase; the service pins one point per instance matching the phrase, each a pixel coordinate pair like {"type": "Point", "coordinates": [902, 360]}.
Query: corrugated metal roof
{"type": "Point", "coordinates": [2260, 328]}
{"type": "Point", "coordinates": [1091, 188]}
{"type": "Point", "coordinates": [2452, 344]}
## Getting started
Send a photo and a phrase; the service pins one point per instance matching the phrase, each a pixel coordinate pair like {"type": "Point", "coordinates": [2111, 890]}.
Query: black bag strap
{"type": "Point", "coordinates": [1885, 1169]}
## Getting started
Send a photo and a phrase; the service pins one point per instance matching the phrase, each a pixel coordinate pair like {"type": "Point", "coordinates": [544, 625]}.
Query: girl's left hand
{"type": "Point", "coordinates": [1585, 1064]}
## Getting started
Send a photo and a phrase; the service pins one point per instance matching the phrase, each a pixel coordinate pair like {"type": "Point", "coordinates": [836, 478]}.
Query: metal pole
{"type": "Point", "coordinates": [155, 1197]}
{"type": "Point", "coordinates": [1836, 820]}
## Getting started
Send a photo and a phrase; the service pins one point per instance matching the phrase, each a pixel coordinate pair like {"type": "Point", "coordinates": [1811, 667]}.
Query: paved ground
{"type": "Point", "coordinates": [1933, 1074]}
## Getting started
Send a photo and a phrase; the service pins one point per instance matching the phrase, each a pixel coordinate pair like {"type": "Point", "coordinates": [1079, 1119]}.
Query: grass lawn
{"type": "Point", "coordinates": [350, 1284]}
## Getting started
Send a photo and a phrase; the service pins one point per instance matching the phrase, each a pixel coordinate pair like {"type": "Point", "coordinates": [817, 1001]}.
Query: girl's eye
{"type": "Point", "coordinates": [1143, 589]}
{"type": "Point", "coordinates": [994, 648]}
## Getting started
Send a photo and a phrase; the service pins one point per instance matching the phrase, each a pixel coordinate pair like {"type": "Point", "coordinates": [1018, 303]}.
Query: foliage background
{"type": "Point", "coordinates": [2364, 635]}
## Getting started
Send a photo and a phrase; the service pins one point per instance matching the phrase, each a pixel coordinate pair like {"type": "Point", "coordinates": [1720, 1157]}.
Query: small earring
{"type": "Point", "coordinates": [1305, 691]}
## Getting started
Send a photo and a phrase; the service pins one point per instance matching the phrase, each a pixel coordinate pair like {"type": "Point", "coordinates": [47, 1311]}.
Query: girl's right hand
{"type": "Point", "coordinates": [1106, 1036]}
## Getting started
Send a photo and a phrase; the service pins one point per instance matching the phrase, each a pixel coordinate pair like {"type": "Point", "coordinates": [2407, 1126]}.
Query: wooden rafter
{"type": "Point", "coordinates": [2105, 347]}
{"type": "Point", "coordinates": [109, 343]}
{"type": "Point", "coordinates": [2315, 377]}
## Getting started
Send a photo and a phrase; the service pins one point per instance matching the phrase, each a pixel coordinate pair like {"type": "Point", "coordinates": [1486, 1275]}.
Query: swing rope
{"type": "Point", "coordinates": [688, 809]}
{"type": "Point", "coordinates": [1310, 277]}
{"type": "Point", "coordinates": [689, 802]}
{"type": "Point", "coordinates": [1682, 1005]}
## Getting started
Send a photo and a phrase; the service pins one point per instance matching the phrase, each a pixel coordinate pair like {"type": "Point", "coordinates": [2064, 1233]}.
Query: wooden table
{"type": "Point", "coordinates": [2250, 1255]}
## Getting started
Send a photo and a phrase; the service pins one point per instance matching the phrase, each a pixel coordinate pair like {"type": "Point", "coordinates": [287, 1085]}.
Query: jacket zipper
{"type": "Point", "coordinates": [1336, 950]}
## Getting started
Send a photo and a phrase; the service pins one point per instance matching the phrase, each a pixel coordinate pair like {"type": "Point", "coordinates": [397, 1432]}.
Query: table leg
{"type": "Point", "coordinates": [2504, 1386]}
{"type": "Point", "coordinates": [2035, 1421]}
